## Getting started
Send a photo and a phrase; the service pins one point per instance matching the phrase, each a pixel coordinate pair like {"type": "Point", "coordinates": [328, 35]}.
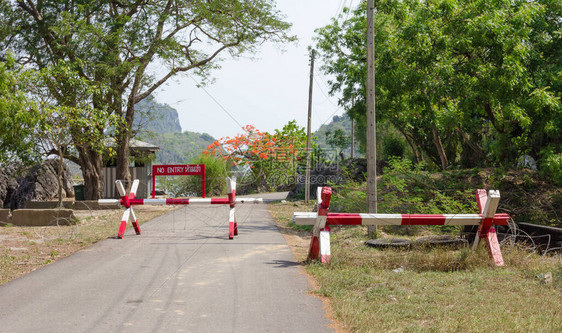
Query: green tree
{"type": "Point", "coordinates": [269, 159]}
{"type": "Point", "coordinates": [339, 140]}
{"type": "Point", "coordinates": [465, 82]}
{"type": "Point", "coordinates": [132, 48]}
{"type": "Point", "coordinates": [19, 116]}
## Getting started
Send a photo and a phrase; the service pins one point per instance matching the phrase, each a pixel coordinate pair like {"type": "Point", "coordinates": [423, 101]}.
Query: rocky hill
{"type": "Point", "coordinates": [159, 124]}
{"type": "Point", "coordinates": [327, 131]}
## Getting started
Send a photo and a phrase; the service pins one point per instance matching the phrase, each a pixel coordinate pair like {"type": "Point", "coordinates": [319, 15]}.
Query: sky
{"type": "Point", "coordinates": [267, 91]}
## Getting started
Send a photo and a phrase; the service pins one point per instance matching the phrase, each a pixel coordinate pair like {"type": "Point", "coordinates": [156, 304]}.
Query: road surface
{"type": "Point", "coordinates": [182, 274]}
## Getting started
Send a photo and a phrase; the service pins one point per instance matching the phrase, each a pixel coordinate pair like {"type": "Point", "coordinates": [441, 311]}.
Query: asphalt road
{"type": "Point", "coordinates": [182, 274]}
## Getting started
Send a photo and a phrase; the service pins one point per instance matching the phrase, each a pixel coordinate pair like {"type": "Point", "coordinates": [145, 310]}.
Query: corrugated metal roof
{"type": "Point", "coordinates": [134, 144]}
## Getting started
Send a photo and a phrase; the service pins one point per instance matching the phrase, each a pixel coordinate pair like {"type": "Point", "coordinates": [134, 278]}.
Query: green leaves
{"type": "Point", "coordinates": [19, 117]}
{"type": "Point", "coordinates": [475, 74]}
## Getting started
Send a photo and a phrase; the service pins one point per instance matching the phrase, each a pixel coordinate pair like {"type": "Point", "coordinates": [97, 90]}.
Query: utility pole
{"type": "Point", "coordinates": [352, 129]}
{"type": "Point", "coordinates": [352, 137]}
{"type": "Point", "coordinates": [307, 174]}
{"type": "Point", "coordinates": [371, 120]}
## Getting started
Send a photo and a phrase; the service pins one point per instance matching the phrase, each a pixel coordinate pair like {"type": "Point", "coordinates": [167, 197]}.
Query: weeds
{"type": "Point", "coordinates": [434, 289]}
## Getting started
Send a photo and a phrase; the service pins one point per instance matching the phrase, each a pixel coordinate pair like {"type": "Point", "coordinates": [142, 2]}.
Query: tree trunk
{"type": "Point", "coordinates": [59, 205]}
{"type": "Point", "coordinates": [123, 136]}
{"type": "Point", "coordinates": [479, 151]}
{"type": "Point", "coordinates": [412, 146]}
{"type": "Point", "coordinates": [91, 163]}
{"type": "Point", "coordinates": [439, 147]}
{"type": "Point", "coordinates": [123, 153]}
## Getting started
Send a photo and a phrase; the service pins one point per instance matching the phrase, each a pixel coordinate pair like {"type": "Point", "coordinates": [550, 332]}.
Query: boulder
{"type": "Point", "coordinates": [320, 175]}
{"type": "Point", "coordinates": [8, 183]}
{"type": "Point", "coordinates": [357, 169]}
{"type": "Point", "coordinates": [41, 184]}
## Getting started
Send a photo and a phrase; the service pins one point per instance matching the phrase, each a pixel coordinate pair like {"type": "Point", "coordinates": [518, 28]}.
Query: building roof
{"type": "Point", "coordinates": [134, 145]}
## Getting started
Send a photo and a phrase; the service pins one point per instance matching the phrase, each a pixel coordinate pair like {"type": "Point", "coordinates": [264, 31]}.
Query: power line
{"type": "Point", "coordinates": [340, 8]}
{"type": "Point", "coordinates": [349, 10]}
{"type": "Point", "coordinates": [215, 100]}
{"type": "Point", "coordinates": [323, 93]}
{"type": "Point", "coordinates": [331, 116]}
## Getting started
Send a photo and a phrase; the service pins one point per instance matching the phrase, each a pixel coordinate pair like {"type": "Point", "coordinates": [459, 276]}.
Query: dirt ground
{"type": "Point", "coordinates": [25, 249]}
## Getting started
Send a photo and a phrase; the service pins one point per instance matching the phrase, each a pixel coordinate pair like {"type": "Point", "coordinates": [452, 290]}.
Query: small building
{"type": "Point", "coordinates": [141, 157]}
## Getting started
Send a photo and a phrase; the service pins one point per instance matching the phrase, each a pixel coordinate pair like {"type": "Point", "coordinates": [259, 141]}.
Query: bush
{"type": "Point", "coordinates": [392, 147]}
{"type": "Point", "coordinates": [215, 173]}
{"type": "Point", "coordinates": [551, 166]}
{"type": "Point", "coordinates": [215, 170]}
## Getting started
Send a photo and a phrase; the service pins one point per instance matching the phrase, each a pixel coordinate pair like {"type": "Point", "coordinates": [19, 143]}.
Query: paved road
{"type": "Point", "coordinates": [182, 274]}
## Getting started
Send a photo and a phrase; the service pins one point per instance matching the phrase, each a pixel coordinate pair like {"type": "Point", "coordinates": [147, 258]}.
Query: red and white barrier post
{"type": "Point", "coordinates": [322, 220]}
{"type": "Point", "coordinates": [125, 201]}
{"type": "Point", "coordinates": [320, 242]}
{"type": "Point", "coordinates": [128, 201]}
{"type": "Point", "coordinates": [232, 225]}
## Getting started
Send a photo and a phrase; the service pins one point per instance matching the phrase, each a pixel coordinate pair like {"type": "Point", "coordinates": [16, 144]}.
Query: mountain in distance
{"type": "Point", "coordinates": [342, 123]}
{"type": "Point", "coordinates": [154, 117]}
{"type": "Point", "coordinates": [159, 125]}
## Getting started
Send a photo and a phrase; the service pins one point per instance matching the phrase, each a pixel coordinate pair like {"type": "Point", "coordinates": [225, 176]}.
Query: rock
{"type": "Point", "coordinates": [357, 169]}
{"type": "Point", "coordinates": [41, 184]}
{"type": "Point", "coordinates": [8, 183]}
{"type": "Point", "coordinates": [527, 162]}
{"type": "Point", "coordinates": [320, 175]}
{"type": "Point", "coordinates": [546, 278]}
{"type": "Point", "coordinates": [398, 270]}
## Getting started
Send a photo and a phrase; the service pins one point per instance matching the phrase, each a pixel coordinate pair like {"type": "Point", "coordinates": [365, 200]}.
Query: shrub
{"type": "Point", "coordinates": [551, 166]}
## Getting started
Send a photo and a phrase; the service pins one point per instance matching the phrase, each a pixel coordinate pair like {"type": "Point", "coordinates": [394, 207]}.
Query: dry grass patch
{"type": "Point", "coordinates": [24, 249]}
{"type": "Point", "coordinates": [438, 290]}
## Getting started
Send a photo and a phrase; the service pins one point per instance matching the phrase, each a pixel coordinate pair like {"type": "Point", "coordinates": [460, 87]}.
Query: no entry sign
{"type": "Point", "coordinates": [177, 170]}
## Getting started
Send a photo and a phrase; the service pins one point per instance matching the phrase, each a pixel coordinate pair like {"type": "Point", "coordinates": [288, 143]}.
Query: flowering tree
{"type": "Point", "coordinates": [269, 159]}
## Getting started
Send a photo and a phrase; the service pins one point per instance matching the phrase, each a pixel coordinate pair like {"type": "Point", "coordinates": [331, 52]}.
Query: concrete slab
{"type": "Point", "coordinates": [182, 274]}
{"type": "Point", "coordinates": [42, 217]}
{"type": "Point", "coordinates": [47, 204]}
{"type": "Point", "coordinates": [5, 216]}
{"type": "Point", "coordinates": [92, 205]}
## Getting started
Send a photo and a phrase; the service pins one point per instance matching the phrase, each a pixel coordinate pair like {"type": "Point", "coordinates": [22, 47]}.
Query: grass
{"type": "Point", "coordinates": [24, 249]}
{"type": "Point", "coordinates": [439, 290]}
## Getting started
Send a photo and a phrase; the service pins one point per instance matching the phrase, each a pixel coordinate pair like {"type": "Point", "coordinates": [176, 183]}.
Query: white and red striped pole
{"type": "Point", "coordinates": [320, 242]}
{"type": "Point", "coordinates": [125, 201]}
{"type": "Point", "coordinates": [129, 200]}
{"type": "Point", "coordinates": [486, 203]}
{"type": "Point", "coordinates": [232, 225]}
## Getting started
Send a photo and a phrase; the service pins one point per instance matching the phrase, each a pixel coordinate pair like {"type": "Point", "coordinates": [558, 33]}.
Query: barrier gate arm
{"type": "Point", "coordinates": [128, 201]}
{"type": "Point", "coordinates": [321, 221]}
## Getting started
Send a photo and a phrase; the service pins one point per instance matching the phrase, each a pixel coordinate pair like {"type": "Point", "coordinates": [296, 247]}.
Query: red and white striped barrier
{"type": "Point", "coordinates": [128, 201]}
{"type": "Point", "coordinates": [320, 243]}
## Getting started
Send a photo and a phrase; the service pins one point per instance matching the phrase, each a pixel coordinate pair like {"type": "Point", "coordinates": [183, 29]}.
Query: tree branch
{"type": "Point", "coordinates": [183, 69]}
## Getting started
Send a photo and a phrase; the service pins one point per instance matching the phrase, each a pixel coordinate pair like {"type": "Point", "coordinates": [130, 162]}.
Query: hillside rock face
{"type": "Point", "coordinates": [39, 183]}
{"type": "Point", "coordinates": [157, 118]}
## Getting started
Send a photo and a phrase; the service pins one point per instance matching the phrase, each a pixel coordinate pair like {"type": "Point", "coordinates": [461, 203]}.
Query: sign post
{"type": "Point", "coordinates": [177, 170]}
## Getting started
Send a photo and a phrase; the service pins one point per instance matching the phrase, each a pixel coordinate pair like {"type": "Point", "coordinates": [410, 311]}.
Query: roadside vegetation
{"type": "Point", "coordinates": [438, 288]}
